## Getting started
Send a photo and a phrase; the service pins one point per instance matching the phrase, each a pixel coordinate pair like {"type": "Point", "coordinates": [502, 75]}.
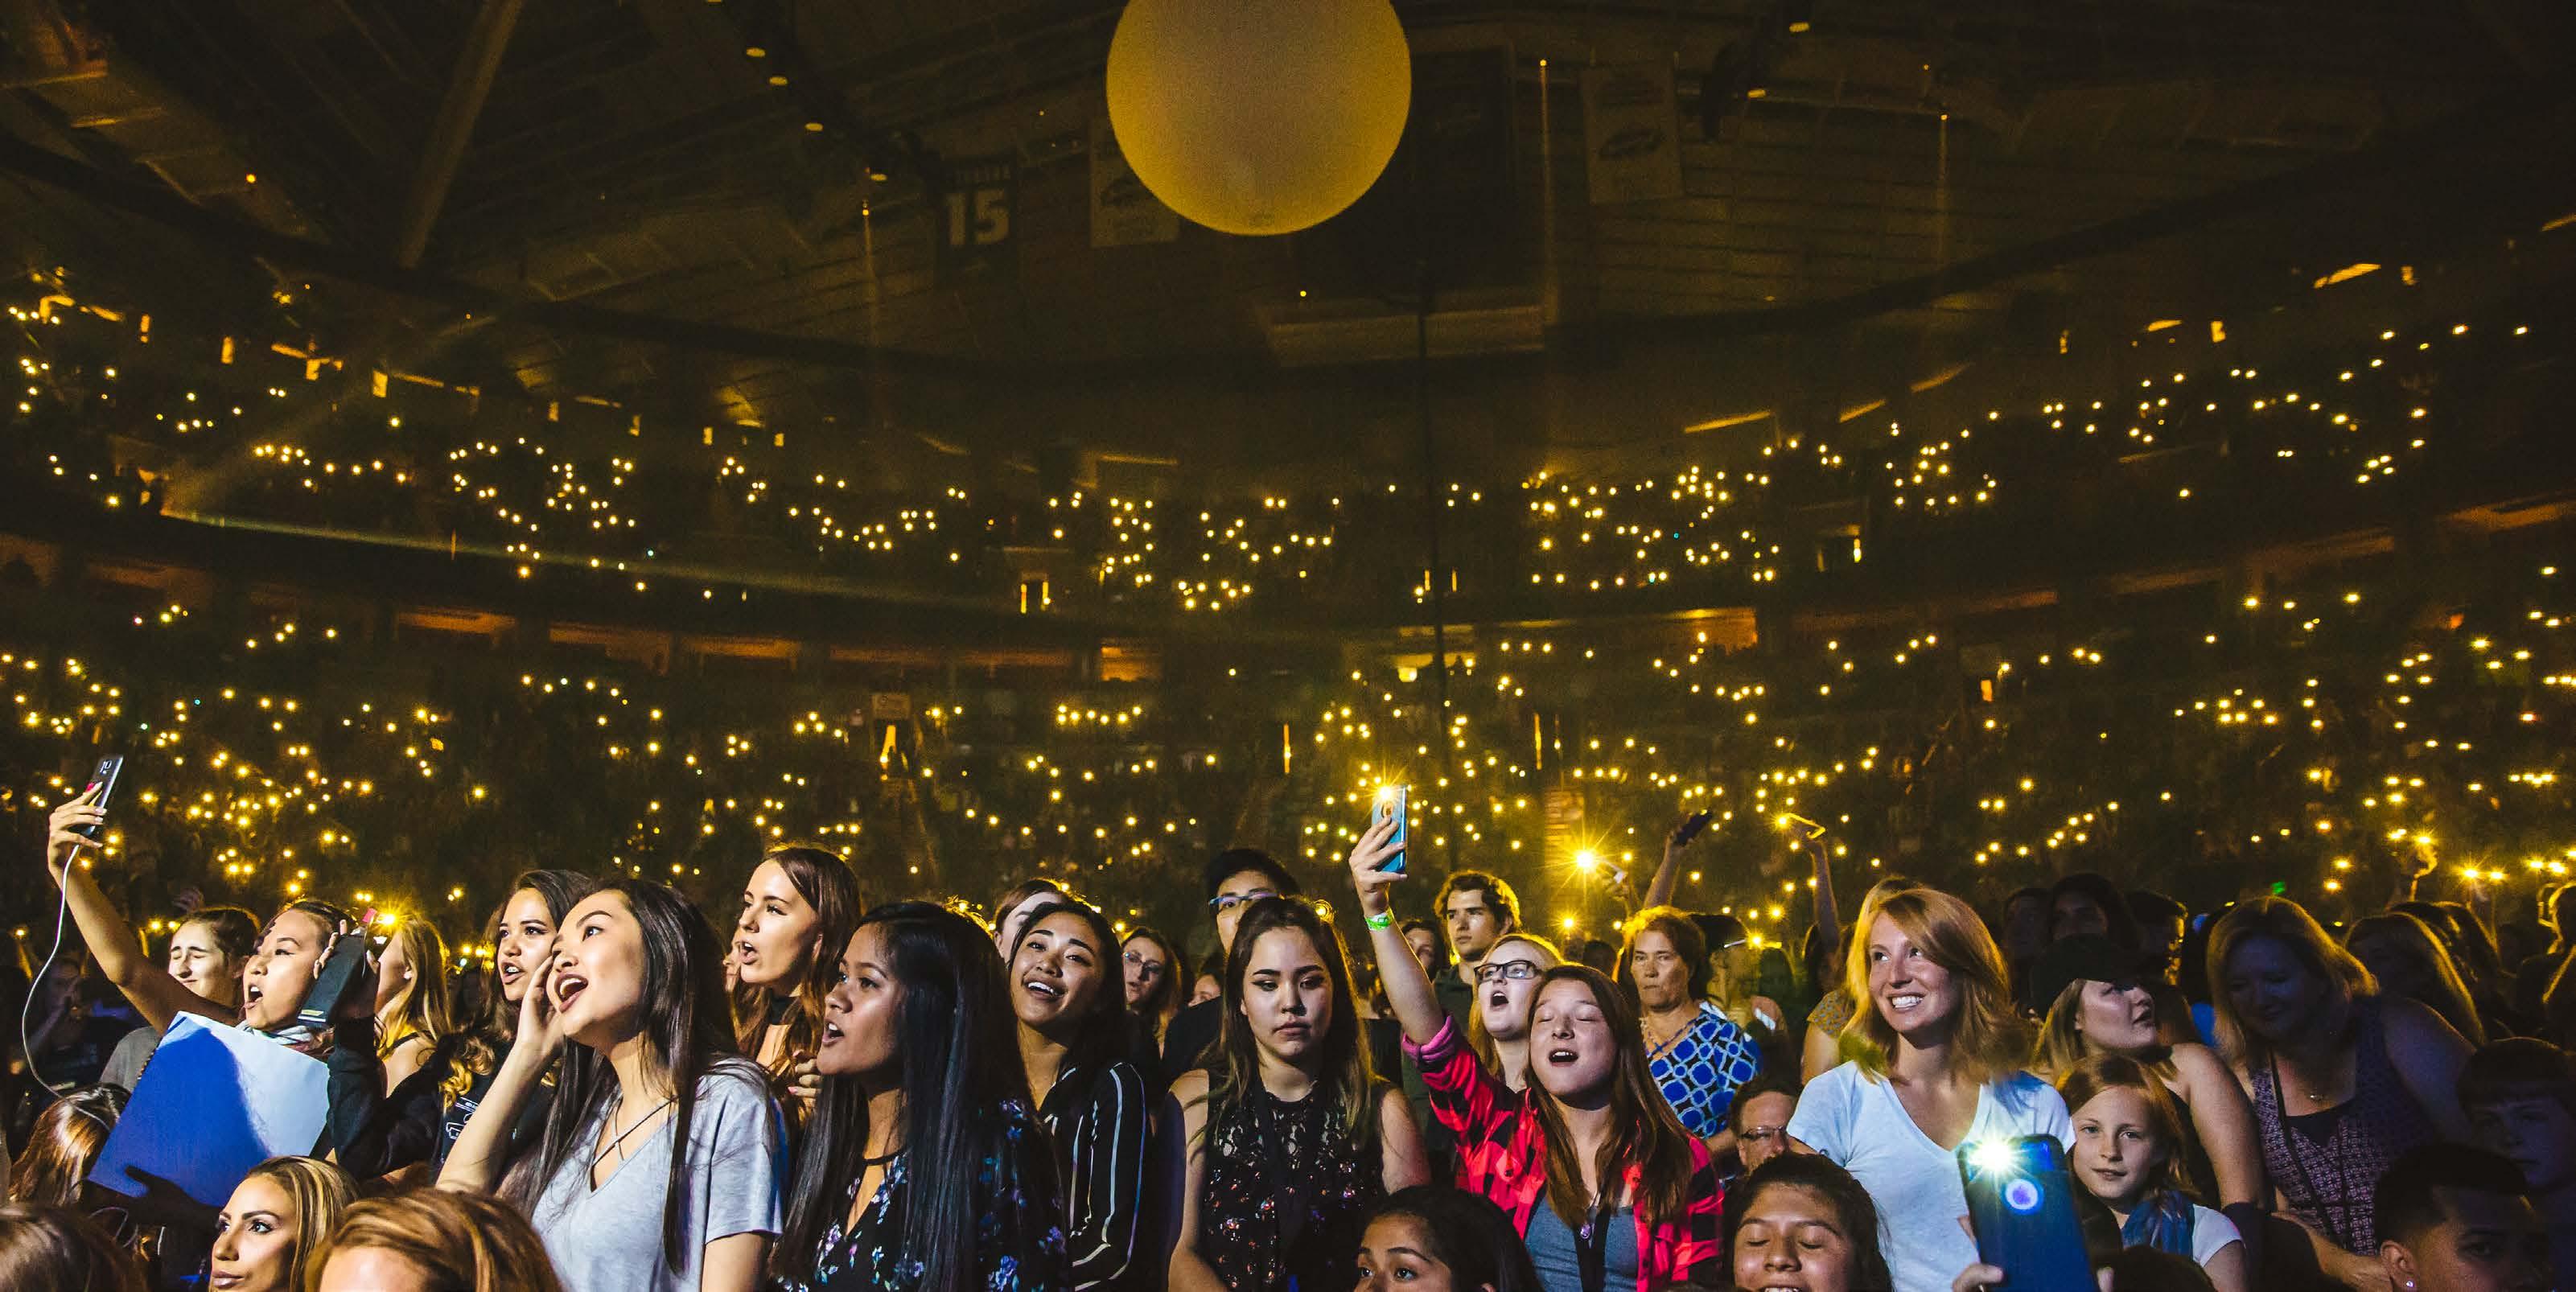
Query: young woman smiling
{"type": "Point", "coordinates": [661, 1158]}
{"type": "Point", "coordinates": [1799, 1223]}
{"type": "Point", "coordinates": [797, 912]}
{"type": "Point", "coordinates": [924, 1169]}
{"type": "Point", "coordinates": [1940, 1048]}
{"type": "Point", "coordinates": [1602, 1185]}
{"type": "Point", "coordinates": [1073, 1030]}
{"type": "Point", "coordinates": [1290, 1138]}
{"type": "Point", "coordinates": [207, 956]}
{"type": "Point", "coordinates": [277, 1215]}
{"type": "Point", "coordinates": [2343, 1081]}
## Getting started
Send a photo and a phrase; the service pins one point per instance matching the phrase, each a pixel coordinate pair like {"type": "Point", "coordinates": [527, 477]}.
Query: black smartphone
{"type": "Point", "coordinates": [331, 981]}
{"type": "Point", "coordinates": [1393, 801]}
{"type": "Point", "coordinates": [2021, 1204]}
{"type": "Point", "coordinates": [1690, 829]}
{"type": "Point", "coordinates": [104, 780]}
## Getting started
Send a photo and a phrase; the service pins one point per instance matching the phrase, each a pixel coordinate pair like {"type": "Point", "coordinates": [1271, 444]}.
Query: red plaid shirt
{"type": "Point", "coordinates": [1502, 1156]}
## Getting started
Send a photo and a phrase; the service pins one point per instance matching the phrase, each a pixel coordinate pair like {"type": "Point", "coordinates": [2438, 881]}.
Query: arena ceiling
{"type": "Point", "coordinates": [775, 166]}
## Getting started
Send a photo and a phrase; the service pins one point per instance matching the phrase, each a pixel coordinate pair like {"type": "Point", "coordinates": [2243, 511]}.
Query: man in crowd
{"type": "Point", "coordinates": [1423, 937]}
{"type": "Point", "coordinates": [2452, 1218]}
{"type": "Point", "coordinates": [2520, 1097]}
{"type": "Point", "coordinates": [1235, 878]}
{"type": "Point", "coordinates": [1478, 909]}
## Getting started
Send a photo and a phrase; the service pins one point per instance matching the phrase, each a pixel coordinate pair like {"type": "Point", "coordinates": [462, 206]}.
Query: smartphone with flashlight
{"type": "Point", "coordinates": [2021, 1205]}
{"type": "Point", "coordinates": [1393, 801]}
{"type": "Point", "coordinates": [104, 780]}
{"type": "Point", "coordinates": [339, 970]}
{"type": "Point", "coordinates": [1690, 829]}
{"type": "Point", "coordinates": [1805, 829]}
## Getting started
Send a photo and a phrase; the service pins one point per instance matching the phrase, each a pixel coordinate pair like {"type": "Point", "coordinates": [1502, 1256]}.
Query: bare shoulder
{"type": "Point", "coordinates": [2408, 1024]}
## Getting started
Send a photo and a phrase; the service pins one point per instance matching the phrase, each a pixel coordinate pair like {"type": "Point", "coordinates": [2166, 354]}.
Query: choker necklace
{"type": "Point", "coordinates": [617, 1145]}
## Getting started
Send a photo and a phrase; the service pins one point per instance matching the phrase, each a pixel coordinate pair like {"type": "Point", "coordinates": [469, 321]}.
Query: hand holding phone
{"type": "Point", "coordinates": [1691, 826]}
{"type": "Point", "coordinates": [2021, 1207]}
{"type": "Point", "coordinates": [104, 781]}
{"type": "Point", "coordinates": [342, 968]}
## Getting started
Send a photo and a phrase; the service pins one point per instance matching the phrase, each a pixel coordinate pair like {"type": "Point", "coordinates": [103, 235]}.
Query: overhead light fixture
{"type": "Point", "coordinates": [778, 80]}
{"type": "Point", "coordinates": [815, 126]}
{"type": "Point", "coordinates": [754, 51]}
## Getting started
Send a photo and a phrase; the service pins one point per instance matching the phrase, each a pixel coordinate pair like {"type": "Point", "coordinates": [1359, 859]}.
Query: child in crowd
{"type": "Point", "coordinates": [2126, 1133]}
{"type": "Point", "coordinates": [2520, 1097]}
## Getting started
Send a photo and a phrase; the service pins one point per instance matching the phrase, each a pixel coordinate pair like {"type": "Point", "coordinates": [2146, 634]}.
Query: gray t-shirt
{"type": "Point", "coordinates": [1560, 1263]}
{"type": "Point", "coordinates": [125, 1065]}
{"type": "Point", "coordinates": [609, 1239]}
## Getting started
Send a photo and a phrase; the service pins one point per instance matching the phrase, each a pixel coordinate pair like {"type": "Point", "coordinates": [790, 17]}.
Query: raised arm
{"type": "Point", "coordinates": [1829, 916]}
{"type": "Point", "coordinates": [156, 995]}
{"type": "Point", "coordinates": [1408, 989]}
{"type": "Point", "coordinates": [1659, 890]}
{"type": "Point", "coordinates": [482, 1148]}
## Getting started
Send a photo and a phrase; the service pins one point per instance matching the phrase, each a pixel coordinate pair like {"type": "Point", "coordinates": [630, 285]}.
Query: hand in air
{"type": "Point", "coordinates": [1376, 848]}
{"type": "Point", "coordinates": [63, 841]}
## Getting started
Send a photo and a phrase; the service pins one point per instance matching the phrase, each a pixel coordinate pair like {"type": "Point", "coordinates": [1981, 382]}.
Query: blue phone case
{"type": "Point", "coordinates": [2021, 1203]}
{"type": "Point", "coordinates": [1396, 802]}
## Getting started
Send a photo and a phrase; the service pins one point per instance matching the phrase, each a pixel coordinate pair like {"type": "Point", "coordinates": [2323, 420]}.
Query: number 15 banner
{"type": "Point", "coordinates": [973, 225]}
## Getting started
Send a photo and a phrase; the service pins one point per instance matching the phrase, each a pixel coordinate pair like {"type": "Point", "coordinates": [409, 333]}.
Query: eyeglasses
{"type": "Point", "coordinates": [1762, 1132]}
{"type": "Point", "coordinates": [1148, 968]}
{"type": "Point", "coordinates": [1515, 970]}
{"type": "Point", "coordinates": [1228, 901]}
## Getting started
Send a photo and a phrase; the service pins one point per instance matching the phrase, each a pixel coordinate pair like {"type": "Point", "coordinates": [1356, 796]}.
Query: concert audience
{"type": "Point", "coordinates": [2128, 1137]}
{"type": "Point", "coordinates": [1153, 970]}
{"type": "Point", "coordinates": [1234, 879]}
{"type": "Point", "coordinates": [1695, 1055]}
{"type": "Point", "coordinates": [1477, 910]}
{"type": "Point", "coordinates": [798, 908]}
{"type": "Point", "coordinates": [1432, 1238]}
{"type": "Point", "coordinates": [1760, 1118]}
{"type": "Point", "coordinates": [1073, 1039]}
{"type": "Point", "coordinates": [431, 1240]}
{"type": "Point", "coordinates": [1799, 1221]}
{"type": "Point", "coordinates": [1602, 1183]}
{"type": "Point", "coordinates": [2452, 1218]}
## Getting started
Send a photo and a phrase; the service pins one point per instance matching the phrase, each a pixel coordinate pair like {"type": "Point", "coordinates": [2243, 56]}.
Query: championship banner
{"type": "Point", "coordinates": [1631, 133]}
{"type": "Point", "coordinates": [1124, 213]}
{"type": "Point", "coordinates": [973, 226]}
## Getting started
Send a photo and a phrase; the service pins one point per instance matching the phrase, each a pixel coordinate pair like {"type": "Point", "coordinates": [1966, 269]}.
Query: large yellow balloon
{"type": "Point", "coordinates": [1258, 116]}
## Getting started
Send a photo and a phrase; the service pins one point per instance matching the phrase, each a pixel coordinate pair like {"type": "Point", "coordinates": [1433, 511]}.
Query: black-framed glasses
{"type": "Point", "coordinates": [1516, 970]}
{"type": "Point", "coordinates": [1223, 902]}
{"type": "Point", "coordinates": [1148, 968]}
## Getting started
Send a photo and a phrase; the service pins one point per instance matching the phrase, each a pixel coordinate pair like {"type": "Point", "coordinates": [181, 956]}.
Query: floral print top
{"type": "Point", "coordinates": [1253, 1151]}
{"type": "Point", "coordinates": [1019, 1224]}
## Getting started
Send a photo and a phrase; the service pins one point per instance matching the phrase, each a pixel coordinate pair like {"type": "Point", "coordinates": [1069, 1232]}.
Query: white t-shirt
{"type": "Point", "coordinates": [2210, 1231]}
{"type": "Point", "coordinates": [1859, 1124]}
{"type": "Point", "coordinates": [609, 1239]}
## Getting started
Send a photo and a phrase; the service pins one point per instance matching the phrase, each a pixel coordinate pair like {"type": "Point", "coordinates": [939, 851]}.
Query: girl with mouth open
{"type": "Point", "coordinates": [661, 1158]}
{"type": "Point", "coordinates": [1940, 1049]}
{"type": "Point", "coordinates": [2343, 1080]}
{"type": "Point", "coordinates": [1602, 1185]}
{"type": "Point", "coordinates": [924, 1169]}
{"type": "Point", "coordinates": [1290, 1137]}
{"type": "Point", "coordinates": [798, 908]}
{"type": "Point", "coordinates": [1070, 997]}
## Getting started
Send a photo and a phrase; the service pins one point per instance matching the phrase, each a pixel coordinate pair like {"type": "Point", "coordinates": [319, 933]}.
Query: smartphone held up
{"type": "Point", "coordinates": [1394, 802]}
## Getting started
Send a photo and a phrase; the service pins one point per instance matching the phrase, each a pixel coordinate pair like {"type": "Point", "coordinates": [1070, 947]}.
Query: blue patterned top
{"type": "Point", "coordinates": [1019, 1225]}
{"type": "Point", "coordinates": [1701, 1069]}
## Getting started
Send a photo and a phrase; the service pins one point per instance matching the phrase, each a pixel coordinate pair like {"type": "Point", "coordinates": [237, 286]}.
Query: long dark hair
{"type": "Point", "coordinates": [1101, 1034]}
{"type": "Point", "coordinates": [1643, 1131]}
{"type": "Point", "coordinates": [1163, 999]}
{"type": "Point", "coordinates": [1342, 1071]}
{"type": "Point", "coordinates": [957, 1041]}
{"type": "Point", "coordinates": [827, 884]}
{"type": "Point", "coordinates": [1468, 1234]}
{"type": "Point", "coordinates": [560, 890]}
{"type": "Point", "coordinates": [1855, 1213]}
{"type": "Point", "coordinates": [686, 1029]}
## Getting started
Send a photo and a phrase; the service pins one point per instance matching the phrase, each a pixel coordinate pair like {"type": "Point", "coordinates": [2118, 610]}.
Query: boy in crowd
{"type": "Point", "coordinates": [2452, 1218]}
{"type": "Point", "coordinates": [1478, 909]}
{"type": "Point", "coordinates": [2520, 1097]}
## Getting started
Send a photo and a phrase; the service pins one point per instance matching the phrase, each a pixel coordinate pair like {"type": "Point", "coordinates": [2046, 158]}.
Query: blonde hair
{"type": "Point", "coordinates": [2298, 932]}
{"type": "Point", "coordinates": [1988, 1039]}
{"type": "Point", "coordinates": [320, 1192]}
{"type": "Point", "coordinates": [2062, 1046]}
{"type": "Point", "coordinates": [470, 1242]}
{"type": "Point", "coordinates": [1480, 1041]}
{"type": "Point", "coordinates": [419, 1007]}
{"type": "Point", "coordinates": [2119, 1072]}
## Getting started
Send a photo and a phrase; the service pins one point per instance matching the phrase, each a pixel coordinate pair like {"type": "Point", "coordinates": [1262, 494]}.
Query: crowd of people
{"type": "Point", "coordinates": [817, 1094]}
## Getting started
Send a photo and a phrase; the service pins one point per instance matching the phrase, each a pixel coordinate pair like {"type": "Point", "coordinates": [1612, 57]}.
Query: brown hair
{"type": "Point", "coordinates": [2289, 924]}
{"type": "Point", "coordinates": [2062, 1044]}
{"type": "Point", "coordinates": [469, 1242]}
{"type": "Point", "coordinates": [1342, 1071]}
{"type": "Point", "coordinates": [2432, 953]}
{"type": "Point", "coordinates": [1688, 943]}
{"type": "Point", "coordinates": [1644, 1132]}
{"type": "Point", "coordinates": [826, 883]}
{"type": "Point", "coordinates": [320, 1191]}
{"type": "Point", "coordinates": [1482, 1041]}
{"type": "Point", "coordinates": [1988, 1038]}
{"type": "Point", "coordinates": [61, 1251]}
{"type": "Point", "coordinates": [420, 1007]}
{"type": "Point", "coordinates": [64, 1144]}
{"type": "Point", "coordinates": [2113, 1071]}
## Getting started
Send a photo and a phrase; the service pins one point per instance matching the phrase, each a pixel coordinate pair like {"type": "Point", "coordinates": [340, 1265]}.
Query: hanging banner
{"type": "Point", "coordinates": [974, 229]}
{"type": "Point", "coordinates": [1631, 133]}
{"type": "Point", "coordinates": [1123, 212]}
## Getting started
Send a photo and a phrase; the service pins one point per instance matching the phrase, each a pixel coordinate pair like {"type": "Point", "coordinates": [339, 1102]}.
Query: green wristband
{"type": "Point", "coordinates": [1381, 920]}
